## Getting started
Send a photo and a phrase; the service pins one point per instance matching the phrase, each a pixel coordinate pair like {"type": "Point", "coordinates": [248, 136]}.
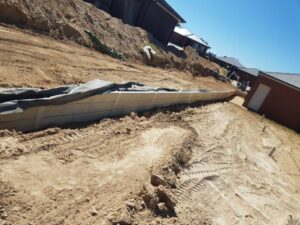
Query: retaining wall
{"type": "Point", "coordinates": [100, 106]}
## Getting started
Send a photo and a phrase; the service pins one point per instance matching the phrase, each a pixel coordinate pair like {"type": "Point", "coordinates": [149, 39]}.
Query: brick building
{"type": "Point", "coordinates": [277, 96]}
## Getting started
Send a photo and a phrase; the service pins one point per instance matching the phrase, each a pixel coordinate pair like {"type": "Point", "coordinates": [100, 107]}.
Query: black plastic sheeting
{"type": "Point", "coordinates": [18, 99]}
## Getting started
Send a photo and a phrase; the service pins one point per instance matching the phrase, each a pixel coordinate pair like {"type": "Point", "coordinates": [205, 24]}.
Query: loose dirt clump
{"type": "Point", "coordinates": [67, 20]}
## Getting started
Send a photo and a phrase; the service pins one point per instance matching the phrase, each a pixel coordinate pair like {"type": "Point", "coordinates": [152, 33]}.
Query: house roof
{"type": "Point", "coordinates": [288, 78]}
{"type": "Point", "coordinates": [187, 33]}
{"type": "Point", "coordinates": [183, 31]}
{"type": "Point", "coordinates": [199, 40]}
{"type": "Point", "coordinates": [231, 60]}
{"type": "Point", "coordinates": [252, 71]}
{"type": "Point", "coordinates": [169, 9]}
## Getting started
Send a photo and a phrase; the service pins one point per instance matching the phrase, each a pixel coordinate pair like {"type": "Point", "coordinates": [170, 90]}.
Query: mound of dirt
{"type": "Point", "coordinates": [67, 20]}
{"type": "Point", "coordinates": [30, 60]}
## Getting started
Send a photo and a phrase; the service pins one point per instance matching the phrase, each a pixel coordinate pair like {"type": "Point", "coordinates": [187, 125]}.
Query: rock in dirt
{"type": "Point", "coordinates": [171, 179]}
{"type": "Point", "coordinates": [149, 196]}
{"type": "Point", "coordinates": [184, 156]}
{"type": "Point", "coordinates": [4, 133]}
{"type": "Point", "coordinates": [157, 180]}
{"type": "Point", "coordinates": [128, 131]}
{"type": "Point", "coordinates": [166, 196]}
{"type": "Point", "coordinates": [3, 214]}
{"type": "Point", "coordinates": [133, 115]}
{"type": "Point", "coordinates": [94, 212]}
{"type": "Point", "coordinates": [52, 131]}
{"type": "Point", "coordinates": [131, 204]}
{"type": "Point", "coordinates": [121, 217]}
{"type": "Point", "coordinates": [162, 208]}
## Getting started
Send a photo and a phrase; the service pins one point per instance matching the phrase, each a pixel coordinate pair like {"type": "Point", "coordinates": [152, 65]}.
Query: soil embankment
{"type": "Point", "coordinates": [67, 20]}
{"type": "Point", "coordinates": [30, 60]}
{"type": "Point", "coordinates": [213, 164]}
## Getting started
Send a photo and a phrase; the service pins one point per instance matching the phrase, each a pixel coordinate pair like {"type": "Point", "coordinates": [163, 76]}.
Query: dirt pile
{"type": "Point", "coordinates": [67, 20]}
{"type": "Point", "coordinates": [29, 60]}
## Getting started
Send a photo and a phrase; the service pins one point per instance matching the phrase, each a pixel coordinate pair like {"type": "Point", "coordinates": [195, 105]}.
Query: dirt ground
{"type": "Point", "coordinates": [30, 60]}
{"type": "Point", "coordinates": [67, 20]}
{"type": "Point", "coordinates": [210, 164]}
{"type": "Point", "coordinates": [95, 174]}
{"type": "Point", "coordinates": [238, 100]}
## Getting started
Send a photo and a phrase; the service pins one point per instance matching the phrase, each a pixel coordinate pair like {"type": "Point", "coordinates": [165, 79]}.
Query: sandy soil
{"type": "Point", "coordinates": [28, 60]}
{"type": "Point", "coordinates": [95, 174]}
{"type": "Point", "coordinates": [238, 100]}
{"type": "Point", "coordinates": [214, 164]}
{"type": "Point", "coordinates": [232, 179]}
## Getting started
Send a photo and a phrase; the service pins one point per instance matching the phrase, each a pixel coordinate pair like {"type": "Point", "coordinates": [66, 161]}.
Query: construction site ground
{"type": "Point", "coordinates": [214, 164]}
{"type": "Point", "coordinates": [31, 60]}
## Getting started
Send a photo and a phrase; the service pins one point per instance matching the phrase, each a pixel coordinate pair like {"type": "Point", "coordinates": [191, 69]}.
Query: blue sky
{"type": "Point", "coordinates": [263, 34]}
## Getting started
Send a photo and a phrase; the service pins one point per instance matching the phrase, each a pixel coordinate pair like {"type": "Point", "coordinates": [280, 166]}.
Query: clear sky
{"type": "Point", "coordinates": [263, 34]}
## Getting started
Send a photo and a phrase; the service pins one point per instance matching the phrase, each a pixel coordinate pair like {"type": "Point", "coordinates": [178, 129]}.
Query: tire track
{"type": "Point", "coordinates": [210, 163]}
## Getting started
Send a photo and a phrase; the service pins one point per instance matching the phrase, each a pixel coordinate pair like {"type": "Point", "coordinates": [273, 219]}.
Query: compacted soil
{"type": "Point", "coordinates": [204, 164]}
{"type": "Point", "coordinates": [214, 162]}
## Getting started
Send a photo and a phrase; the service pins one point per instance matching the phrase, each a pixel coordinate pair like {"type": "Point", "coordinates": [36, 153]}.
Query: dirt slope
{"type": "Point", "coordinates": [212, 163]}
{"type": "Point", "coordinates": [66, 20]}
{"type": "Point", "coordinates": [95, 174]}
{"type": "Point", "coordinates": [28, 60]}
